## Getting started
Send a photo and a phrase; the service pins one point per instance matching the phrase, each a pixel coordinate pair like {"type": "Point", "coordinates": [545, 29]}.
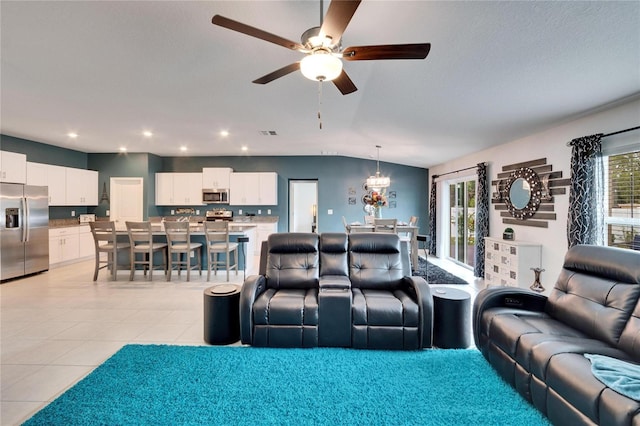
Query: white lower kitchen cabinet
{"type": "Point", "coordinates": [263, 230]}
{"type": "Point", "coordinates": [64, 244]}
{"type": "Point", "coordinates": [509, 263]}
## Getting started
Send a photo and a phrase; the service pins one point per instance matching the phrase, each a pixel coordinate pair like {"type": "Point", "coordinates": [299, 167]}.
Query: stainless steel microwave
{"type": "Point", "coordinates": [215, 196]}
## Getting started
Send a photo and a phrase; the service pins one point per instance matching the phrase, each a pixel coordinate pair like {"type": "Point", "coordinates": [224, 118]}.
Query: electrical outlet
{"type": "Point", "coordinates": [240, 212]}
{"type": "Point", "coordinates": [73, 213]}
{"type": "Point", "coordinates": [173, 212]}
{"type": "Point", "coordinates": [259, 211]}
{"type": "Point", "coordinates": [198, 212]}
{"type": "Point", "coordinates": [268, 211]}
{"type": "Point", "coordinates": [108, 212]}
{"type": "Point", "coordinates": [330, 211]}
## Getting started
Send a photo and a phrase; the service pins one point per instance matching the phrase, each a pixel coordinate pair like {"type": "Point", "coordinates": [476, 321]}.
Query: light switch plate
{"type": "Point", "coordinates": [268, 211]}
{"type": "Point", "coordinates": [330, 211]}
{"type": "Point", "coordinates": [259, 211]}
{"type": "Point", "coordinates": [73, 213]}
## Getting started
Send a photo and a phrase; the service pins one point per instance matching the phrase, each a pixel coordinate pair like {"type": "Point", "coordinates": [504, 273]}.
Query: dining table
{"type": "Point", "coordinates": [411, 230]}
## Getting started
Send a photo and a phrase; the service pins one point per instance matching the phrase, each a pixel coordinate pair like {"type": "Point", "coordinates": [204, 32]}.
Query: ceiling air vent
{"type": "Point", "coordinates": [268, 133]}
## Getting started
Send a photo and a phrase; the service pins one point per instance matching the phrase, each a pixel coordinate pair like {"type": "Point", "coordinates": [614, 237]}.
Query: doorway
{"type": "Point", "coordinates": [303, 205]}
{"type": "Point", "coordinates": [126, 200]}
{"type": "Point", "coordinates": [462, 220]}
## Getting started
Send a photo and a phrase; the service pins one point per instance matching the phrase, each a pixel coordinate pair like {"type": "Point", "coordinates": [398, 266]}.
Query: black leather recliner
{"type": "Point", "coordinates": [336, 290]}
{"type": "Point", "coordinates": [537, 344]}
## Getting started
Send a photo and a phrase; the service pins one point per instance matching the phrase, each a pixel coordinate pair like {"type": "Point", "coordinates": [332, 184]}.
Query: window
{"type": "Point", "coordinates": [622, 200]}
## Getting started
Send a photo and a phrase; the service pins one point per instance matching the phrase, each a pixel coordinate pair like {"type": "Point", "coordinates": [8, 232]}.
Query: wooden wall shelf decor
{"type": "Point", "coordinates": [542, 182]}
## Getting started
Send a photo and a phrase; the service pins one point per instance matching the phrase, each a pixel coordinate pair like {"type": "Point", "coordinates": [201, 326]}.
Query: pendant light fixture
{"type": "Point", "coordinates": [377, 182]}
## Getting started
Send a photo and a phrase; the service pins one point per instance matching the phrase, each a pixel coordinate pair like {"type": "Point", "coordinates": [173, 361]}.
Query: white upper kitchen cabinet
{"type": "Point", "coordinates": [13, 167]}
{"type": "Point", "coordinates": [179, 189]}
{"type": "Point", "coordinates": [253, 189]}
{"type": "Point", "coordinates": [82, 187]}
{"type": "Point", "coordinates": [216, 177]}
{"type": "Point", "coordinates": [53, 177]}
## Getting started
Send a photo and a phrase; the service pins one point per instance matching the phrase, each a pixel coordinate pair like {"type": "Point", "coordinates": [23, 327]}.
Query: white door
{"type": "Point", "coordinates": [303, 206]}
{"type": "Point", "coordinates": [126, 200]}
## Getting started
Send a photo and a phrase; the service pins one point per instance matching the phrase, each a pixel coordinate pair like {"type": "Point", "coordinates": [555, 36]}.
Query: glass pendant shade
{"type": "Point", "coordinates": [321, 66]}
{"type": "Point", "coordinates": [378, 182]}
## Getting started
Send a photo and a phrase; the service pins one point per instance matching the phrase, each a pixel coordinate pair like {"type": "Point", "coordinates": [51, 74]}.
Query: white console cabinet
{"type": "Point", "coordinates": [509, 263]}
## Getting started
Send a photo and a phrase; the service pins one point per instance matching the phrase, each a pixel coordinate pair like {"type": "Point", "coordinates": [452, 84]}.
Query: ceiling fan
{"type": "Point", "coordinates": [323, 50]}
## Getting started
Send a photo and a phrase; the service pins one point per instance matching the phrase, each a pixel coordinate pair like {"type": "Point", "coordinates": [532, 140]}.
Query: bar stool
{"type": "Point", "coordinates": [217, 236]}
{"type": "Point", "coordinates": [105, 240]}
{"type": "Point", "coordinates": [179, 243]}
{"type": "Point", "coordinates": [141, 241]}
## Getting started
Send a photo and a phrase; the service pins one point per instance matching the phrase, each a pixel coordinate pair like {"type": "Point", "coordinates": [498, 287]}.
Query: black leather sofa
{"type": "Point", "coordinates": [336, 289]}
{"type": "Point", "coordinates": [537, 344]}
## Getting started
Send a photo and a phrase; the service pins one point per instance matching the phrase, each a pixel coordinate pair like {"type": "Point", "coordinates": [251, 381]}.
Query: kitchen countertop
{"type": "Point", "coordinates": [238, 221]}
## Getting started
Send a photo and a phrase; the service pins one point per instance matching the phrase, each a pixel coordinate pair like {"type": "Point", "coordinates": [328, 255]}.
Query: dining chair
{"type": "Point", "coordinates": [217, 237]}
{"type": "Point", "coordinates": [385, 225]}
{"type": "Point", "coordinates": [141, 241]}
{"type": "Point", "coordinates": [407, 237]}
{"type": "Point", "coordinates": [346, 225]}
{"type": "Point", "coordinates": [105, 240]}
{"type": "Point", "coordinates": [179, 243]}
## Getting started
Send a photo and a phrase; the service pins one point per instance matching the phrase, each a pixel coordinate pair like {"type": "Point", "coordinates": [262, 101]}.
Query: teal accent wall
{"type": "Point", "coordinates": [339, 178]}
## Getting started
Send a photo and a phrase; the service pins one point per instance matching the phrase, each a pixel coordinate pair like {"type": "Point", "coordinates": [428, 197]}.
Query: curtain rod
{"type": "Point", "coordinates": [615, 133]}
{"type": "Point", "coordinates": [456, 171]}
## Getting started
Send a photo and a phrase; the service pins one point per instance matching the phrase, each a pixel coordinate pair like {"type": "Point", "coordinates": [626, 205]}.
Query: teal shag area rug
{"type": "Point", "coordinates": [202, 385]}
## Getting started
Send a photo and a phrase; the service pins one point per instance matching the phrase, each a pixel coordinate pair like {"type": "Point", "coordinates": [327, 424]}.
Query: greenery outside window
{"type": "Point", "coordinates": [622, 200]}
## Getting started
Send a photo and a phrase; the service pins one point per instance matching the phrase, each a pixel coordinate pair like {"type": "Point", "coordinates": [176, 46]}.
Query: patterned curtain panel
{"type": "Point", "coordinates": [584, 224]}
{"type": "Point", "coordinates": [482, 218]}
{"type": "Point", "coordinates": [432, 217]}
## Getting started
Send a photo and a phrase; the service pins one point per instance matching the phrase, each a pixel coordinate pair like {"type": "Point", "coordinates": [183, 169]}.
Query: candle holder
{"type": "Point", "coordinates": [537, 286]}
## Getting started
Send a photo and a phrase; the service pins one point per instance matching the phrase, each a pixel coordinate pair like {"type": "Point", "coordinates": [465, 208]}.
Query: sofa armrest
{"type": "Point", "coordinates": [421, 289]}
{"type": "Point", "coordinates": [505, 297]}
{"type": "Point", "coordinates": [253, 286]}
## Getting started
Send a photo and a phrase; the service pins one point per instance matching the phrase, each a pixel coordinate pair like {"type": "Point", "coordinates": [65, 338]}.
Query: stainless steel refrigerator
{"type": "Point", "coordinates": [24, 230]}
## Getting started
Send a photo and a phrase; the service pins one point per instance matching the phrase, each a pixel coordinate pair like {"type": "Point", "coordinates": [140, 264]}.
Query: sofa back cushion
{"type": "Point", "coordinates": [597, 290]}
{"type": "Point", "coordinates": [292, 260]}
{"type": "Point", "coordinates": [375, 261]}
{"type": "Point", "coordinates": [333, 254]}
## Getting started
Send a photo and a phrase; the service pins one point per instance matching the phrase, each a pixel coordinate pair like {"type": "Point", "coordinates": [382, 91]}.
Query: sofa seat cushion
{"type": "Point", "coordinates": [286, 307]}
{"type": "Point", "coordinates": [569, 376]}
{"type": "Point", "coordinates": [384, 308]}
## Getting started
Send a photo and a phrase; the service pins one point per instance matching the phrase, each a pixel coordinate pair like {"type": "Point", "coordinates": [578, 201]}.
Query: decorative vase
{"type": "Point", "coordinates": [537, 286]}
{"type": "Point", "coordinates": [377, 212]}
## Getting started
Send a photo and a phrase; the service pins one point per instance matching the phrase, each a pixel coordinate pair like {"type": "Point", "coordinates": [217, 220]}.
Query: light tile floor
{"type": "Point", "coordinates": [56, 327]}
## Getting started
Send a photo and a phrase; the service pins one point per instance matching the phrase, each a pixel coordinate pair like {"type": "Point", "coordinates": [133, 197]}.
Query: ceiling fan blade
{"type": "Point", "coordinates": [344, 83]}
{"type": "Point", "coordinates": [386, 51]}
{"type": "Point", "coordinates": [255, 32]}
{"type": "Point", "coordinates": [278, 73]}
{"type": "Point", "coordinates": [337, 18]}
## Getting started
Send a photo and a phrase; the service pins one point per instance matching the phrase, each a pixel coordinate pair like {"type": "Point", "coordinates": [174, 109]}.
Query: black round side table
{"type": "Point", "coordinates": [222, 314]}
{"type": "Point", "coordinates": [451, 318]}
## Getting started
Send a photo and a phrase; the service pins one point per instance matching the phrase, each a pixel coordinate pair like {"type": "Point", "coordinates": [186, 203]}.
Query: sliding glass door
{"type": "Point", "coordinates": [462, 219]}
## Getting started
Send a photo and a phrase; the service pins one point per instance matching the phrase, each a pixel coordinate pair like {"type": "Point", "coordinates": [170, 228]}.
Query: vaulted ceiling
{"type": "Point", "coordinates": [497, 71]}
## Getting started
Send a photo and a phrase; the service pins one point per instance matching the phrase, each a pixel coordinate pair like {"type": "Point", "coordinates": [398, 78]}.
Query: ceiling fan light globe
{"type": "Point", "coordinates": [321, 66]}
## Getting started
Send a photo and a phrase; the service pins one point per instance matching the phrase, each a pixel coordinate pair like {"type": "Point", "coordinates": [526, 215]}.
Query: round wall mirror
{"type": "Point", "coordinates": [523, 193]}
{"type": "Point", "coordinates": [520, 193]}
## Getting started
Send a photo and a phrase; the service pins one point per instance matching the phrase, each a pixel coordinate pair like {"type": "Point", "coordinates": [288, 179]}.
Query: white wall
{"type": "Point", "coordinates": [552, 145]}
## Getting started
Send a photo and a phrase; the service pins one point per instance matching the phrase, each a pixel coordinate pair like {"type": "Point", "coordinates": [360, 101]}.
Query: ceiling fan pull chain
{"type": "Point", "coordinates": [320, 103]}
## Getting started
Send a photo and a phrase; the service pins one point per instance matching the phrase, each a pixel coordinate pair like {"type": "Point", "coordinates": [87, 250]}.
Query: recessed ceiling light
{"type": "Point", "coordinates": [123, 149]}
{"type": "Point", "coordinates": [72, 135]}
{"type": "Point", "coordinates": [183, 148]}
{"type": "Point", "coordinates": [244, 148]}
{"type": "Point", "coordinates": [224, 133]}
{"type": "Point", "coordinates": [147, 134]}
